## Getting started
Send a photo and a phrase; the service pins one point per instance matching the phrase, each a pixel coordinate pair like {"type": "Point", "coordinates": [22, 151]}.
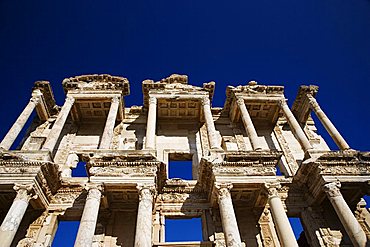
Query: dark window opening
{"type": "Point", "coordinates": [180, 166]}
{"type": "Point", "coordinates": [66, 233]}
{"type": "Point", "coordinates": [278, 171]}
{"type": "Point", "coordinates": [80, 170]}
{"type": "Point", "coordinates": [181, 230]}
{"type": "Point", "coordinates": [296, 224]}
{"type": "Point", "coordinates": [367, 200]}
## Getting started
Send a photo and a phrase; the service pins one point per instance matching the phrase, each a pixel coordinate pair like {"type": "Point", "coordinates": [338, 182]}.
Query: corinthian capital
{"type": "Point", "coordinates": [206, 101]}
{"type": "Point", "coordinates": [313, 103]}
{"type": "Point", "coordinates": [332, 189]}
{"type": "Point", "coordinates": [146, 191]}
{"type": "Point", "coordinates": [115, 99]}
{"type": "Point", "coordinates": [223, 190]}
{"type": "Point", "coordinates": [272, 189]}
{"type": "Point", "coordinates": [25, 192]}
{"type": "Point", "coordinates": [240, 101]}
{"type": "Point", "coordinates": [282, 102]}
{"type": "Point", "coordinates": [94, 191]}
{"type": "Point", "coordinates": [152, 100]}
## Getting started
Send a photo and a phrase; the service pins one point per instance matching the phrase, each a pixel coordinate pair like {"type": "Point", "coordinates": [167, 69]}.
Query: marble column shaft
{"type": "Point", "coordinates": [143, 233]}
{"type": "Point", "coordinates": [296, 128]}
{"type": "Point", "coordinates": [13, 218]}
{"type": "Point", "coordinates": [89, 217]}
{"type": "Point", "coordinates": [57, 128]}
{"type": "Point", "coordinates": [282, 225]}
{"type": "Point", "coordinates": [329, 126]}
{"type": "Point", "coordinates": [109, 125]}
{"type": "Point", "coordinates": [248, 124]}
{"type": "Point", "coordinates": [345, 215]}
{"type": "Point", "coordinates": [21, 121]}
{"type": "Point", "coordinates": [228, 219]}
{"type": "Point", "coordinates": [151, 124]}
{"type": "Point", "coordinates": [209, 123]}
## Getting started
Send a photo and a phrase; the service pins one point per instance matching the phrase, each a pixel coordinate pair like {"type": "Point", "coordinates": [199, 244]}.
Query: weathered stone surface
{"type": "Point", "coordinates": [234, 155]}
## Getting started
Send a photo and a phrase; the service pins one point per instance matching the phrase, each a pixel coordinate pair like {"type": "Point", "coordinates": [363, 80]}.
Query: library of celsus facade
{"type": "Point", "coordinates": [255, 163]}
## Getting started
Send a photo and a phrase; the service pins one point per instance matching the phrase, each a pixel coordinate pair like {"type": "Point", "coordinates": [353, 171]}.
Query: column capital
{"type": "Point", "coordinates": [36, 96]}
{"type": "Point", "coordinates": [333, 189]}
{"type": "Point", "coordinates": [313, 102]}
{"type": "Point", "coordinates": [69, 99]}
{"type": "Point", "coordinates": [25, 192]}
{"type": "Point", "coordinates": [146, 191]}
{"type": "Point", "coordinates": [206, 101]}
{"type": "Point", "coordinates": [152, 100]}
{"type": "Point", "coordinates": [115, 99]}
{"type": "Point", "coordinates": [272, 189]}
{"type": "Point", "coordinates": [94, 191]}
{"type": "Point", "coordinates": [282, 102]}
{"type": "Point", "coordinates": [240, 100]}
{"type": "Point", "coordinates": [223, 189]}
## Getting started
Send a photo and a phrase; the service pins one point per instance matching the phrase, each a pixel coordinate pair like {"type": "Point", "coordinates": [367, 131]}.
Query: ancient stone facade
{"type": "Point", "coordinates": [235, 152]}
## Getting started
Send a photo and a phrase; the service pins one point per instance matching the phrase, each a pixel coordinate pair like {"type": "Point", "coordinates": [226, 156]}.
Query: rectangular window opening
{"type": "Point", "coordinates": [296, 224]}
{"type": "Point", "coordinates": [278, 171]}
{"type": "Point", "coordinates": [180, 166]}
{"type": "Point", "coordinates": [367, 200]}
{"type": "Point", "coordinates": [80, 170]}
{"type": "Point", "coordinates": [66, 233]}
{"type": "Point", "coordinates": [183, 230]}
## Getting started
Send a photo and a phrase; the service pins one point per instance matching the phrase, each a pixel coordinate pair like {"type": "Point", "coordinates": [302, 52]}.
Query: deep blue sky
{"type": "Point", "coordinates": [286, 42]}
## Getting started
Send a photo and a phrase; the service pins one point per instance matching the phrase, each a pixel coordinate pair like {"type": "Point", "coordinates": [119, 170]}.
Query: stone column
{"type": "Point", "coordinates": [143, 234]}
{"type": "Point", "coordinates": [228, 219]}
{"type": "Point", "coordinates": [248, 124]}
{"type": "Point", "coordinates": [57, 128]}
{"type": "Point", "coordinates": [209, 123]}
{"type": "Point", "coordinates": [13, 218]}
{"type": "Point", "coordinates": [349, 222]}
{"type": "Point", "coordinates": [21, 121]}
{"type": "Point", "coordinates": [109, 125]}
{"type": "Point", "coordinates": [151, 124]}
{"type": "Point", "coordinates": [329, 126]}
{"type": "Point", "coordinates": [283, 227]}
{"type": "Point", "coordinates": [294, 125]}
{"type": "Point", "coordinates": [89, 217]}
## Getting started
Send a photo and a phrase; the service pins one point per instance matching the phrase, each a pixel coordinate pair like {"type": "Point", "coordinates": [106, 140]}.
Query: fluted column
{"type": "Point", "coordinates": [329, 126]}
{"type": "Point", "coordinates": [248, 124]}
{"type": "Point", "coordinates": [89, 217]}
{"type": "Point", "coordinates": [143, 234]}
{"type": "Point", "coordinates": [151, 124]}
{"type": "Point", "coordinates": [228, 219]}
{"type": "Point", "coordinates": [57, 128]}
{"type": "Point", "coordinates": [21, 120]}
{"type": "Point", "coordinates": [109, 125]}
{"type": "Point", "coordinates": [283, 227]}
{"type": "Point", "coordinates": [351, 225]}
{"type": "Point", "coordinates": [15, 214]}
{"type": "Point", "coordinates": [212, 136]}
{"type": "Point", "coordinates": [294, 125]}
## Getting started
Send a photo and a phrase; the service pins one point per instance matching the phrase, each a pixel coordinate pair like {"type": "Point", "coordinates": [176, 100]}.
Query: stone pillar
{"type": "Point", "coordinates": [283, 227]}
{"type": "Point", "coordinates": [151, 124]}
{"type": "Point", "coordinates": [13, 218]}
{"type": "Point", "coordinates": [349, 222]}
{"type": "Point", "coordinates": [143, 234]}
{"type": "Point", "coordinates": [329, 126]}
{"type": "Point", "coordinates": [89, 217]}
{"type": "Point", "coordinates": [109, 125]}
{"type": "Point", "coordinates": [248, 124]}
{"type": "Point", "coordinates": [209, 123]}
{"type": "Point", "coordinates": [21, 121]}
{"type": "Point", "coordinates": [294, 125]}
{"type": "Point", "coordinates": [57, 128]}
{"type": "Point", "coordinates": [228, 219]}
